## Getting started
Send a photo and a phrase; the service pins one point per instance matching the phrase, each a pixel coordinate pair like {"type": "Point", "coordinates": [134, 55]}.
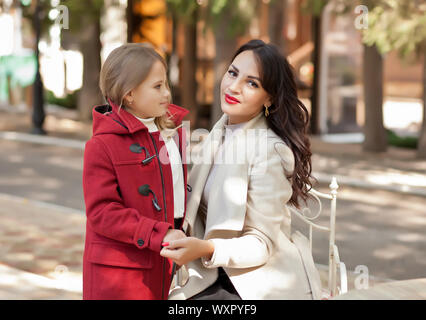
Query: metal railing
{"type": "Point", "coordinates": [334, 263]}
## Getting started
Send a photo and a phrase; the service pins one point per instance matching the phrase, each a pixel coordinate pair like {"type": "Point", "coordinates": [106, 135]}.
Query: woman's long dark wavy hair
{"type": "Point", "coordinates": [288, 117]}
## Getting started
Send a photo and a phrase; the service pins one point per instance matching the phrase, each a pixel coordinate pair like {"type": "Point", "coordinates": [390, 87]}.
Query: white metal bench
{"type": "Point", "coordinates": [335, 266]}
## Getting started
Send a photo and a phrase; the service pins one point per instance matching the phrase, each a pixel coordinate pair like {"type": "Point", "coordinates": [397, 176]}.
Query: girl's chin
{"type": "Point", "coordinates": [162, 110]}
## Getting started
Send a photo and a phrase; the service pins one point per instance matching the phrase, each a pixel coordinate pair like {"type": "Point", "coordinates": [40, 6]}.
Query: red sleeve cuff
{"type": "Point", "coordinates": [143, 233]}
{"type": "Point", "coordinates": [158, 234]}
{"type": "Point", "coordinates": [150, 233]}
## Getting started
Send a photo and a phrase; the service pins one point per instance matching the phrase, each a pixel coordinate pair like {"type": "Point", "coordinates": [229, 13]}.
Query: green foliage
{"type": "Point", "coordinates": [402, 142]}
{"type": "Point", "coordinates": [183, 9]}
{"type": "Point", "coordinates": [28, 13]}
{"type": "Point", "coordinates": [397, 25]}
{"type": "Point", "coordinates": [78, 9]}
{"type": "Point", "coordinates": [69, 101]}
{"type": "Point", "coordinates": [314, 7]}
{"type": "Point", "coordinates": [238, 12]}
{"type": "Point", "coordinates": [392, 24]}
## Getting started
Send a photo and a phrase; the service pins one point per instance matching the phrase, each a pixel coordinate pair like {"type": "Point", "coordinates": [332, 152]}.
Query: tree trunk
{"type": "Point", "coordinates": [130, 20]}
{"type": "Point", "coordinates": [225, 47]}
{"type": "Point", "coordinates": [276, 23]}
{"type": "Point", "coordinates": [374, 131]}
{"type": "Point", "coordinates": [189, 82]}
{"type": "Point", "coordinates": [421, 148]}
{"type": "Point", "coordinates": [38, 115]}
{"type": "Point", "coordinates": [316, 57]}
{"type": "Point", "coordinates": [90, 94]}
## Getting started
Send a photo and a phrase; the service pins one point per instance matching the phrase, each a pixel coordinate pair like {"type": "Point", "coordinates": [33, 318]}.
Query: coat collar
{"type": "Point", "coordinates": [133, 124]}
{"type": "Point", "coordinates": [209, 148]}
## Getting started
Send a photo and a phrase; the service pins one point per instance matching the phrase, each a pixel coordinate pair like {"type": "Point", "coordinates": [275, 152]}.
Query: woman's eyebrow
{"type": "Point", "coordinates": [250, 77]}
{"type": "Point", "coordinates": [253, 77]}
{"type": "Point", "coordinates": [236, 69]}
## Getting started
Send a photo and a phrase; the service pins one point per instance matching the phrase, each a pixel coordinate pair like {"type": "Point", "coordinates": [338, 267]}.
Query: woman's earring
{"type": "Point", "coordinates": [266, 111]}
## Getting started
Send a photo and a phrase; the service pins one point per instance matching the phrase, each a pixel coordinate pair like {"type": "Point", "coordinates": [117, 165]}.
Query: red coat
{"type": "Point", "coordinates": [125, 223]}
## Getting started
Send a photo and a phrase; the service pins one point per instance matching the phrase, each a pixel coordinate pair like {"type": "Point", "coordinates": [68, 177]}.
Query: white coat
{"type": "Point", "coordinates": [248, 219]}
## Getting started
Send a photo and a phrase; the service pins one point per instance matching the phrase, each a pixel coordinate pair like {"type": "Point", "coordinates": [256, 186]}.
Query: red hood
{"type": "Point", "coordinates": [107, 119]}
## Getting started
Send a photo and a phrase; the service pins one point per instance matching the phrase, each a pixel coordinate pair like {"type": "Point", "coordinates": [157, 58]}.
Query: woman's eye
{"type": "Point", "coordinates": [253, 84]}
{"type": "Point", "coordinates": [158, 86]}
{"type": "Point", "coordinates": [232, 73]}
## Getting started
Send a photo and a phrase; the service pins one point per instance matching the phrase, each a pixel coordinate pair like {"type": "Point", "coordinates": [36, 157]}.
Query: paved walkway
{"type": "Point", "coordinates": [41, 251]}
{"type": "Point", "coordinates": [41, 258]}
{"type": "Point", "coordinates": [396, 169]}
{"type": "Point", "coordinates": [42, 248]}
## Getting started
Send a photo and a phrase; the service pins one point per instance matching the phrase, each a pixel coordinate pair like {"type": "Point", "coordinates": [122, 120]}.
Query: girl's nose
{"type": "Point", "coordinates": [166, 93]}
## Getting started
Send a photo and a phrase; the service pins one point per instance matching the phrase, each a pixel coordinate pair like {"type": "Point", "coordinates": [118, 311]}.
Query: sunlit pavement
{"type": "Point", "coordinates": [43, 244]}
{"type": "Point", "coordinates": [396, 169]}
{"type": "Point", "coordinates": [43, 221]}
{"type": "Point", "coordinates": [42, 250]}
{"type": "Point", "coordinates": [16, 284]}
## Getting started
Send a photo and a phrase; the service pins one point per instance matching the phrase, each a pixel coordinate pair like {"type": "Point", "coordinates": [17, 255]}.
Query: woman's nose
{"type": "Point", "coordinates": [234, 86]}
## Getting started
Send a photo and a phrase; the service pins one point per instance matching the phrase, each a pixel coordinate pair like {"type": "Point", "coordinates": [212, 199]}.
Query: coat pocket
{"type": "Point", "coordinates": [119, 255]}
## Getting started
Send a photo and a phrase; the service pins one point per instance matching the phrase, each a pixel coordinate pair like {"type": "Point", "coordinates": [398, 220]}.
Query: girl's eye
{"type": "Point", "coordinates": [232, 73]}
{"type": "Point", "coordinates": [253, 84]}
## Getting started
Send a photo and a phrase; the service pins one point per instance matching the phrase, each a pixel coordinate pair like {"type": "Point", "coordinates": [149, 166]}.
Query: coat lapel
{"type": "Point", "coordinates": [228, 193]}
{"type": "Point", "coordinates": [227, 198]}
{"type": "Point", "coordinates": [202, 161]}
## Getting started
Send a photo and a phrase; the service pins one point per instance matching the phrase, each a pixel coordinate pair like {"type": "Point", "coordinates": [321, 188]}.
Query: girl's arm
{"type": "Point", "coordinates": [106, 213]}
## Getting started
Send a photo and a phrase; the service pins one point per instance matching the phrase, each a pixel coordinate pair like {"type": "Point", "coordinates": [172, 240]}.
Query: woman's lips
{"type": "Point", "coordinates": [231, 100]}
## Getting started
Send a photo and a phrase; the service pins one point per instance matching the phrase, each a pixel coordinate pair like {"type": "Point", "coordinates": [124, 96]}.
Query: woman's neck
{"type": "Point", "coordinates": [234, 120]}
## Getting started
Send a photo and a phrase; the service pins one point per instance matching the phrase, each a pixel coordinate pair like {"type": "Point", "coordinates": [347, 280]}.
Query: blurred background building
{"type": "Point", "coordinates": [198, 37]}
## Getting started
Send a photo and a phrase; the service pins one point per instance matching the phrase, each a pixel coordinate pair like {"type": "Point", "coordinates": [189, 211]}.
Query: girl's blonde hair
{"type": "Point", "coordinates": [125, 68]}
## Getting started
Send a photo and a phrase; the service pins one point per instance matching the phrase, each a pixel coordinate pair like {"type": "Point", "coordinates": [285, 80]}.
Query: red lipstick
{"type": "Point", "coordinates": [231, 100]}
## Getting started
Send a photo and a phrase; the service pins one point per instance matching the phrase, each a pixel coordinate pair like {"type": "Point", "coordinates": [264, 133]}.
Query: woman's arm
{"type": "Point", "coordinates": [268, 192]}
{"type": "Point", "coordinates": [187, 249]}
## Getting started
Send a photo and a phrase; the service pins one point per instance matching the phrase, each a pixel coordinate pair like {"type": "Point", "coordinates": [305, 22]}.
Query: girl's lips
{"type": "Point", "coordinates": [231, 100]}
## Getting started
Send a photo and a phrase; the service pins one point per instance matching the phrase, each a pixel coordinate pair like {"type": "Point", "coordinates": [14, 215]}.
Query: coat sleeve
{"type": "Point", "coordinates": [106, 213]}
{"type": "Point", "coordinates": [268, 192]}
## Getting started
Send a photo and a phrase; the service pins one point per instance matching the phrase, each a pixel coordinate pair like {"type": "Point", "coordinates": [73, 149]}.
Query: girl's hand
{"type": "Point", "coordinates": [173, 234]}
{"type": "Point", "coordinates": [188, 249]}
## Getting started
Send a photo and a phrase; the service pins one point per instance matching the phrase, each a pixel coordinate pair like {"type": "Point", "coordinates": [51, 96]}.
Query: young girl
{"type": "Point", "coordinates": [134, 179]}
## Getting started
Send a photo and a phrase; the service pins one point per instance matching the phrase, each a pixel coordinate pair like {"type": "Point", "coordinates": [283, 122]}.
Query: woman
{"type": "Point", "coordinates": [240, 244]}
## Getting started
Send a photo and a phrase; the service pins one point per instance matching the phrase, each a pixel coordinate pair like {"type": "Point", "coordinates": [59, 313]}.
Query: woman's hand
{"type": "Point", "coordinates": [188, 249]}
